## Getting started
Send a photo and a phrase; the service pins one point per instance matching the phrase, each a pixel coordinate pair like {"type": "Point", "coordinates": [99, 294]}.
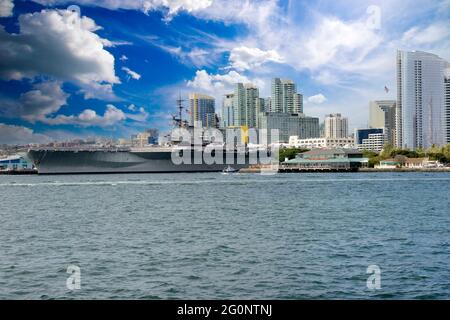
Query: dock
{"type": "Point", "coordinates": [19, 172]}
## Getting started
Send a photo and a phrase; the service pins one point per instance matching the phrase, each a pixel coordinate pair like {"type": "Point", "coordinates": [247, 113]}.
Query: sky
{"type": "Point", "coordinates": [112, 68]}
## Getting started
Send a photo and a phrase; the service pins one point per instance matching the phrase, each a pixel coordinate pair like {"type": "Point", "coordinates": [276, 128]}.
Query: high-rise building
{"type": "Point", "coordinates": [284, 97]}
{"type": "Point", "coordinates": [244, 104]}
{"type": "Point", "coordinates": [420, 116]}
{"type": "Point", "coordinates": [260, 105]}
{"type": "Point", "coordinates": [289, 125]}
{"type": "Point", "coordinates": [202, 110]}
{"type": "Point", "coordinates": [447, 102]}
{"type": "Point", "coordinates": [267, 104]}
{"type": "Point", "coordinates": [228, 110]}
{"type": "Point", "coordinates": [382, 115]}
{"type": "Point", "coordinates": [336, 126]}
{"type": "Point", "coordinates": [298, 103]}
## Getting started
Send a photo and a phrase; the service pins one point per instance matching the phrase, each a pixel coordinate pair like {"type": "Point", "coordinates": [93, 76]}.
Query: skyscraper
{"type": "Point", "coordinates": [268, 104]}
{"type": "Point", "coordinates": [382, 115]}
{"type": "Point", "coordinates": [284, 97]}
{"type": "Point", "coordinates": [289, 125]}
{"type": "Point", "coordinates": [336, 126]}
{"type": "Point", "coordinates": [420, 116]}
{"type": "Point", "coordinates": [228, 110]}
{"type": "Point", "coordinates": [298, 103]}
{"type": "Point", "coordinates": [245, 97]}
{"type": "Point", "coordinates": [260, 105]}
{"type": "Point", "coordinates": [202, 110]}
{"type": "Point", "coordinates": [447, 102]}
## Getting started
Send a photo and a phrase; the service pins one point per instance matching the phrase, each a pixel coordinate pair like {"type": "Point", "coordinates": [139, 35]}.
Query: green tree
{"type": "Point", "coordinates": [374, 161]}
{"type": "Point", "coordinates": [421, 152]}
{"type": "Point", "coordinates": [290, 153]}
{"type": "Point", "coordinates": [388, 149]}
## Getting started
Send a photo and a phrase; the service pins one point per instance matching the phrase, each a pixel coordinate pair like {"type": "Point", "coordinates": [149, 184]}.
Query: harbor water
{"type": "Point", "coordinates": [216, 236]}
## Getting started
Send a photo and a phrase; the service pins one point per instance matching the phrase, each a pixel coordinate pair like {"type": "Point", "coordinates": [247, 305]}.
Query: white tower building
{"type": "Point", "coordinates": [420, 116]}
{"type": "Point", "coordinates": [336, 126]}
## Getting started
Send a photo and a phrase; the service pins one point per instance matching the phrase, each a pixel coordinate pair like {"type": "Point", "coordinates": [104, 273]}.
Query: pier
{"type": "Point", "coordinates": [18, 172]}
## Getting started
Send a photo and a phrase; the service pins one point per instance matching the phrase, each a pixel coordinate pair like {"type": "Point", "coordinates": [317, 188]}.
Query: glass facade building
{"type": "Point", "coordinates": [202, 110]}
{"type": "Point", "coordinates": [420, 100]}
{"type": "Point", "coordinates": [290, 125]}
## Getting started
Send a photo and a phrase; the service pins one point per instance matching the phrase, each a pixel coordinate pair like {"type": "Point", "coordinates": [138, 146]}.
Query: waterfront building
{"type": "Point", "coordinates": [325, 143]}
{"type": "Point", "coordinates": [289, 125]}
{"type": "Point", "coordinates": [327, 160]}
{"type": "Point", "coordinates": [388, 164]}
{"type": "Point", "coordinates": [15, 162]}
{"type": "Point", "coordinates": [409, 163]}
{"type": "Point", "coordinates": [336, 126]}
{"type": "Point", "coordinates": [285, 98]}
{"type": "Point", "coordinates": [228, 110]}
{"type": "Point", "coordinates": [244, 104]}
{"type": "Point", "coordinates": [416, 163]}
{"type": "Point", "coordinates": [420, 113]}
{"type": "Point", "coordinates": [382, 115]}
{"type": "Point", "coordinates": [202, 110]}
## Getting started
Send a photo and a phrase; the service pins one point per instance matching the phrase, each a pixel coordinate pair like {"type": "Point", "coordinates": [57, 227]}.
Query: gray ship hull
{"type": "Point", "coordinates": [113, 161]}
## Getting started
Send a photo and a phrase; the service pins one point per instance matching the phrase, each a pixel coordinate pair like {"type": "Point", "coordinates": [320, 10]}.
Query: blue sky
{"type": "Point", "coordinates": [114, 67]}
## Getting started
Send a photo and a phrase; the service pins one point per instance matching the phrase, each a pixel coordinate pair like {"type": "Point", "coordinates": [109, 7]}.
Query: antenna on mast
{"type": "Point", "coordinates": [179, 122]}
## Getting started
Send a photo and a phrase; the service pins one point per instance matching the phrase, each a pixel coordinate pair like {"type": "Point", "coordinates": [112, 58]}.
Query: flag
{"type": "Point", "coordinates": [386, 89]}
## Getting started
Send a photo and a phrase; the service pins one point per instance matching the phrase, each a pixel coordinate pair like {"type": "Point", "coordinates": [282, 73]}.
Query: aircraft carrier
{"type": "Point", "coordinates": [143, 160]}
{"type": "Point", "coordinates": [149, 159]}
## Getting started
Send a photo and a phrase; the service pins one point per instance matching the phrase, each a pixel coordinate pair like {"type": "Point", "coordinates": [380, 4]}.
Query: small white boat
{"type": "Point", "coordinates": [230, 169]}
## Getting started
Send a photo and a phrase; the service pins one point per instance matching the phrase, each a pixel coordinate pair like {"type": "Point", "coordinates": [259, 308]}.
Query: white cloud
{"type": "Point", "coordinates": [6, 8]}
{"type": "Point", "coordinates": [217, 85]}
{"type": "Point", "coordinates": [12, 134]}
{"type": "Point", "coordinates": [172, 6]}
{"type": "Point", "coordinates": [326, 77]}
{"type": "Point", "coordinates": [131, 74]}
{"type": "Point", "coordinates": [42, 100]}
{"type": "Point", "coordinates": [123, 58]}
{"type": "Point", "coordinates": [317, 99]}
{"type": "Point", "coordinates": [211, 82]}
{"type": "Point", "coordinates": [141, 116]}
{"type": "Point", "coordinates": [90, 118]}
{"type": "Point", "coordinates": [245, 58]}
{"type": "Point", "coordinates": [193, 56]}
{"type": "Point", "coordinates": [258, 15]}
{"type": "Point", "coordinates": [334, 42]}
{"type": "Point", "coordinates": [45, 99]}
{"type": "Point", "coordinates": [431, 34]}
{"type": "Point", "coordinates": [60, 44]}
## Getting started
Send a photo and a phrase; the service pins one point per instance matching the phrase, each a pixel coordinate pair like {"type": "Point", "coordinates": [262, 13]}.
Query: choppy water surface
{"type": "Point", "coordinates": [212, 236]}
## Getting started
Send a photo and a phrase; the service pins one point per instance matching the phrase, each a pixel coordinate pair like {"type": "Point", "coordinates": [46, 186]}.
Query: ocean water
{"type": "Point", "coordinates": [214, 236]}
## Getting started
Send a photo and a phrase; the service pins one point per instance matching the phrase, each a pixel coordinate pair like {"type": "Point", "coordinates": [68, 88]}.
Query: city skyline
{"type": "Point", "coordinates": [140, 68]}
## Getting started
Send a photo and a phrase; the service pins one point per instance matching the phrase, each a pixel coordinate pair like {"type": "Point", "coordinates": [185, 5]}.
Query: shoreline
{"type": "Point", "coordinates": [405, 170]}
{"type": "Point", "coordinates": [258, 170]}
{"type": "Point", "coordinates": [360, 170]}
